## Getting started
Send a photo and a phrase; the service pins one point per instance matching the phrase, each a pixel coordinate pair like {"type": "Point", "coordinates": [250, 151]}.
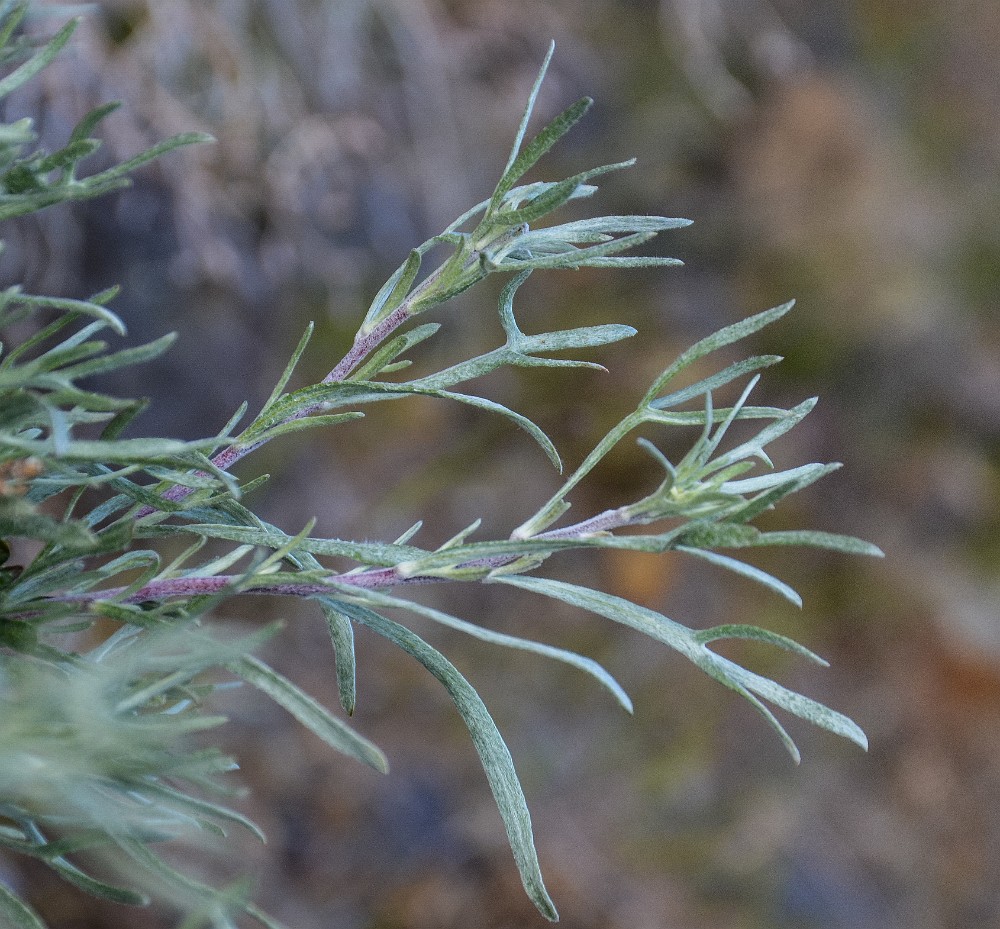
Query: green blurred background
{"type": "Point", "coordinates": [844, 153]}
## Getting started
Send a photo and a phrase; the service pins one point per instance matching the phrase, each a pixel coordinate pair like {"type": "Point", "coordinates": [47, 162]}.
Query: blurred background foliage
{"type": "Point", "coordinates": [845, 153]}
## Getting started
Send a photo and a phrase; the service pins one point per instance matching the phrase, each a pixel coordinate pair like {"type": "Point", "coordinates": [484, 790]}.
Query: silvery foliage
{"type": "Point", "coordinates": [96, 766]}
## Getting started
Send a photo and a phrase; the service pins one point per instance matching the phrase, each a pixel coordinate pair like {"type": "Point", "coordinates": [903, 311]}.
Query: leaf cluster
{"type": "Point", "coordinates": [98, 765]}
{"type": "Point", "coordinates": [32, 178]}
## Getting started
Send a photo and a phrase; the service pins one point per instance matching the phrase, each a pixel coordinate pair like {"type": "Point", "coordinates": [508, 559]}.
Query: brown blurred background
{"type": "Point", "coordinates": [844, 153]}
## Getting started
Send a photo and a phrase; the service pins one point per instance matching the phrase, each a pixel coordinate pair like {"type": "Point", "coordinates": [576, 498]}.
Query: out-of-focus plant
{"type": "Point", "coordinates": [109, 657]}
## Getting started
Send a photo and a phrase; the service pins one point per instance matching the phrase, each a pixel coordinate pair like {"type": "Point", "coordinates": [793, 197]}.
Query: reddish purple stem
{"type": "Point", "coordinates": [372, 578]}
{"type": "Point", "coordinates": [362, 347]}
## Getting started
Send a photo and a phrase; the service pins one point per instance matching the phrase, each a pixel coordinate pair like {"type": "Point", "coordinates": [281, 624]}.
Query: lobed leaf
{"type": "Point", "coordinates": [688, 644]}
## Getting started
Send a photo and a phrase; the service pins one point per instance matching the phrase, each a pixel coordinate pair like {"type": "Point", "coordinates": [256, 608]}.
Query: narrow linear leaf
{"type": "Point", "coordinates": [767, 481]}
{"type": "Point", "coordinates": [828, 540]}
{"type": "Point", "coordinates": [587, 665]}
{"type": "Point", "coordinates": [794, 703]}
{"type": "Point", "coordinates": [381, 554]}
{"type": "Point", "coordinates": [119, 172]}
{"type": "Point", "coordinates": [204, 808]}
{"type": "Point", "coordinates": [537, 147]}
{"type": "Point", "coordinates": [619, 225]}
{"type": "Point", "coordinates": [342, 637]}
{"type": "Point", "coordinates": [717, 340]}
{"type": "Point", "coordinates": [194, 890]}
{"type": "Point", "coordinates": [734, 371]}
{"type": "Point", "coordinates": [384, 356]}
{"type": "Point", "coordinates": [309, 712]}
{"type": "Point", "coordinates": [746, 570]}
{"type": "Point", "coordinates": [529, 108]}
{"type": "Point", "coordinates": [754, 446]}
{"type": "Point", "coordinates": [89, 123]}
{"type": "Point", "coordinates": [491, 406]}
{"type": "Point", "coordinates": [756, 634]}
{"type": "Point", "coordinates": [251, 437]}
{"type": "Point", "coordinates": [402, 287]}
{"type": "Point", "coordinates": [97, 888]}
{"type": "Point", "coordinates": [14, 909]}
{"type": "Point", "coordinates": [767, 499]}
{"type": "Point", "coordinates": [291, 366]}
{"type": "Point", "coordinates": [38, 62]}
{"type": "Point", "coordinates": [493, 752]}
{"type": "Point", "coordinates": [378, 309]}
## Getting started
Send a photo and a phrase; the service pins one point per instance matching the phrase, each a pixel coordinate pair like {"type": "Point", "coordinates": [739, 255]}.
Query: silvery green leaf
{"type": "Point", "coordinates": [43, 334]}
{"type": "Point", "coordinates": [587, 665]}
{"type": "Point", "coordinates": [686, 642]}
{"type": "Point", "coordinates": [846, 544]}
{"type": "Point", "coordinates": [493, 752]}
{"type": "Point", "coordinates": [717, 340]}
{"type": "Point", "coordinates": [615, 225]}
{"type": "Point", "coordinates": [194, 892]}
{"type": "Point", "coordinates": [307, 711]}
{"type": "Point", "coordinates": [145, 561]}
{"type": "Point", "coordinates": [95, 887]}
{"type": "Point", "coordinates": [89, 123]}
{"type": "Point", "coordinates": [382, 357]}
{"type": "Point", "coordinates": [541, 205]}
{"type": "Point", "coordinates": [536, 148]}
{"type": "Point", "coordinates": [202, 807]}
{"type": "Point", "coordinates": [39, 61]}
{"type": "Point", "coordinates": [479, 402]}
{"type": "Point", "coordinates": [767, 499]}
{"type": "Point", "coordinates": [720, 535]}
{"type": "Point", "coordinates": [369, 553]}
{"type": "Point", "coordinates": [755, 445]}
{"type": "Point", "coordinates": [154, 451]}
{"type": "Point", "coordinates": [456, 540]}
{"type": "Point", "coordinates": [108, 179]}
{"type": "Point", "coordinates": [790, 701]}
{"type": "Point", "coordinates": [756, 634]}
{"type": "Point", "coordinates": [394, 290]}
{"type": "Point", "coordinates": [529, 107]}
{"type": "Point", "coordinates": [741, 567]}
{"type": "Point", "coordinates": [298, 425]}
{"type": "Point", "coordinates": [585, 257]}
{"type": "Point", "coordinates": [410, 533]}
{"type": "Point", "coordinates": [719, 414]}
{"type": "Point", "coordinates": [715, 381]}
{"type": "Point", "coordinates": [583, 337]}
{"type": "Point", "coordinates": [13, 908]}
{"type": "Point", "coordinates": [291, 366]}
{"type": "Point", "coordinates": [548, 198]}
{"type": "Point", "coordinates": [342, 637]}
{"type": "Point", "coordinates": [519, 195]}
{"type": "Point", "coordinates": [619, 610]}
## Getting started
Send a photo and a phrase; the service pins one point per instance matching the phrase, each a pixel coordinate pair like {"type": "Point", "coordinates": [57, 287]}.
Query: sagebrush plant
{"type": "Point", "coordinates": [97, 761]}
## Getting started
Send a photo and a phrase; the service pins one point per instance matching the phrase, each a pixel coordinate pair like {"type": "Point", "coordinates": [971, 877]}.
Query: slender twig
{"type": "Point", "coordinates": [367, 579]}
